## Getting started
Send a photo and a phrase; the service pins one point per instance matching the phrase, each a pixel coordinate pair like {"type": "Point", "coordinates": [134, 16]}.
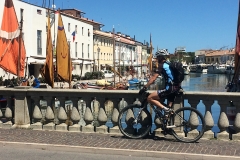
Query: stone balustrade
{"type": "Point", "coordinates": [97, 111]}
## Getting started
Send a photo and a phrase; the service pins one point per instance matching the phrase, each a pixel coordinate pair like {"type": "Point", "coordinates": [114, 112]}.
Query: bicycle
{"type": "Point", "coordinates": [186, 124]}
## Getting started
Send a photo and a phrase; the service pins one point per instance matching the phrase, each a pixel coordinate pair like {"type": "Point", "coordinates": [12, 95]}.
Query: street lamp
{"type": "Point", "coordinates": [98, 49]}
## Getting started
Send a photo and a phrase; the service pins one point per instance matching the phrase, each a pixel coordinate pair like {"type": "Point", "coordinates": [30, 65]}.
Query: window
{"type": "Point", "coordinates": [39, 42]}
{"type": "Point", "coordinates": [69, 42]}
{"type": "Point", "coordinates": [69, 27]}
{"type": "Point", "coordinates": [75, 29]}
{"type": "Point", "coordinates": [88, 33]}
{"type": "Point", "coordinates": [39, 11]}
{"type": "Point", "coordinates": [82, 50]}
{"type": "Point", "coordinates": [88, 52]}
{"type": "Point", "coordinates": [82, 31]}
{"type": "Point", "coordinates": [76, 49]}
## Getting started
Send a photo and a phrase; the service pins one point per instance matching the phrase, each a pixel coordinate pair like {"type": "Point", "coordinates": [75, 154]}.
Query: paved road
{"type": "Point", "coordinates": [118, 145]}
{"type": "Point", "coordinates": [16, 151]}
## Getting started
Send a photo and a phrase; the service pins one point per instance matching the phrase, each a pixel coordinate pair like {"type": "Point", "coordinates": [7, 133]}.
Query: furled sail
{"type": "Point", "coordinates": [63, 58]}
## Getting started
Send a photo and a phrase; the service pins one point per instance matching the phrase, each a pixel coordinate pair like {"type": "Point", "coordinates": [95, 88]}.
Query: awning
{"type": "Point", "coordinates": [76, 61]}
{"type": "Point", "coordinates": [87, 62]}
{"type": "Point", "coordinates": [31, 60]}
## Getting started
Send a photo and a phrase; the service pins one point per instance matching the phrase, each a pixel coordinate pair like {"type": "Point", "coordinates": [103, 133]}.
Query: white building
{"type": "Point", "coordinates": [35, 35]}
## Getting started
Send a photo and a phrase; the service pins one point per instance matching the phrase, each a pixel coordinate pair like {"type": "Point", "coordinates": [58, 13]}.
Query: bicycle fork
{"type": "Point", "coordinates": [138, 116]}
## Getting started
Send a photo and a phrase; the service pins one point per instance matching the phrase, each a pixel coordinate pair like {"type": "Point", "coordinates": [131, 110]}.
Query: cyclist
{"type": "Point", "coordinates": [170, 89]}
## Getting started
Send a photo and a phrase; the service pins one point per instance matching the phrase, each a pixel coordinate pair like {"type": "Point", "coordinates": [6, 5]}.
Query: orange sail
{"type": "Point", "coordinates": [47, 71]}
{"type": "Point", "coordinates": [12, 49]}
{"type": "Point", "coordinates": [63, 58]}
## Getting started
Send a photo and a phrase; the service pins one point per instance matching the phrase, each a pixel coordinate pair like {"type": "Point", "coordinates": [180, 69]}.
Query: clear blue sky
{"type": "Point", "coordinates": [194, 24]}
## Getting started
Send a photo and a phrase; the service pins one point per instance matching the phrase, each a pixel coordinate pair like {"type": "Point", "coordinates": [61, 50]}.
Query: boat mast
{"type": "Point", "coordinates": [119, 56]}
{"type": "Point", "coordinates": [114, 55]}
{"type": "Point", "coordinates": [20, 44]}
{"type": "Point", "coordinates": [69, 65]}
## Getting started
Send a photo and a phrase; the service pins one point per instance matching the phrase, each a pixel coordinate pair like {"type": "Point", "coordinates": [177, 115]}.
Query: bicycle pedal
{"type": "Point", "coordinates": [172, 126]}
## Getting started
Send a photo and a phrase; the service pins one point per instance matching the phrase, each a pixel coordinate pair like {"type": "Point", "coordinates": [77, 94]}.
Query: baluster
{"type": "Point", "coordinates": [193, 119]}
{"type": "Point", "coordinates": [49, 117]}
{"type": "Point", "coordinates": [158, 131]}
{"type": "Point", "coordinates": [37, 115]}
{"type": "Point", "coordinates": [137, 101]}
{"type": "Point", "coordinates": [129, 120]}
{"type": "Point", "coordinates": [223, 122]}
{"type": "Point", "coordinates": [236, 123]}
{"type": "Point", "coordinates": [88, 118]}
{"type": "Point", "coordinates": [109, 107]}
{"type": "Point", "coordinates": [116, 105]}
{"type": "Point", "coordinates": [8, 114]}
{"type": "Point", "coordinates": [1, 116]}
{"type": "Point", "coordinates": [62, 116]}
{"type": "Point", "coordinates": [82, 110]}
{"type": "Point", "coordinates": [102, 119]}
{"type": "Point", "coordinates": [179, 103]}
{"type": "Point", "coordinates": [75, 116]}
{"type": "Point", "coordinates": [145, 120]}
{"type": "Point", "coordinates": [122, 104]}
{"type": "Point", "coordinates": [209, 120]}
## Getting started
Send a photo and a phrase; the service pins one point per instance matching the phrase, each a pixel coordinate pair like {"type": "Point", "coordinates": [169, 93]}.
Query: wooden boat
{"type": "Point", "coordinates": [119, 86]}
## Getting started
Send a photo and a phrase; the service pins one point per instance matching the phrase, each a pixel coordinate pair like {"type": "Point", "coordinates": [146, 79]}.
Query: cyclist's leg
{"type": "Point", "coordinates": [154, 99]}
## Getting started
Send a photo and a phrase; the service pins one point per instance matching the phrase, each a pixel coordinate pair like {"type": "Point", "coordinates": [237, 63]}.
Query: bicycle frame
{"type": "Point", "coordinates": [159, 114]}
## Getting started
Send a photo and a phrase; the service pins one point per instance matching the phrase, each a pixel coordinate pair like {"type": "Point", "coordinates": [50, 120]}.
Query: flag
{"type": "Point", "coordinates": [73, 34]}
{"type": "Point", "coordinates": [63, 58]}
{"type": "Point", "coordinates": [150, 56]}
{"type": "Point", "coordinates": [47, 71]}
{"type": "Point", "coordinates": [237, 49]}
{"type": "Point", "coordinates": [11, 42]}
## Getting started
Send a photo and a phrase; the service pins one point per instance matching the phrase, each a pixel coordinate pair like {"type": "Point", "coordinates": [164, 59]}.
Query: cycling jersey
{"type": "Point", "coordinates": [165, 71]}
{"type": "Point", "coordinates": [170, 88]}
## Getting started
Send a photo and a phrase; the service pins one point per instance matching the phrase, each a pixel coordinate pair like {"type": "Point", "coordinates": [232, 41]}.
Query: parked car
{"type": "Point", "coordinates": [108, 73]}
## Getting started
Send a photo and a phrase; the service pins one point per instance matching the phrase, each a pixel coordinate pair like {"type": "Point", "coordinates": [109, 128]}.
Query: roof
{"type": "Point", "coordinates": [109, 34]}
{"type": "Point", "coordinates": [220, 52]}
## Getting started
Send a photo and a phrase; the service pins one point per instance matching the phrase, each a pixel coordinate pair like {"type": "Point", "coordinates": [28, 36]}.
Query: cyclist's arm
{"type": "Point", "coordinates": [152, 79]}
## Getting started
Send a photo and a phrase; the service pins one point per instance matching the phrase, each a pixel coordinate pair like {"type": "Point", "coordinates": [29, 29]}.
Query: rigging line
{"type": "Point", "coordinates": [49, 3]}
{"type": "Point", "coordinates": [44, 3]}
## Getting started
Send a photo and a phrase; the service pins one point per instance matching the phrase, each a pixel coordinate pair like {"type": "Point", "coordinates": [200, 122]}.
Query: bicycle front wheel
{"type": "Point", "coordinates": [188, 124]}
{"type": "Point", "coordinates": [134, 122]}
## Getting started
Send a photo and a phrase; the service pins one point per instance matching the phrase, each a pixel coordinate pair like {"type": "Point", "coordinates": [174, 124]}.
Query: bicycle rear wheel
{"type": "Point", "coordinates": [134, 123]}
{"type": "Point", "coordinates": [188, 124]}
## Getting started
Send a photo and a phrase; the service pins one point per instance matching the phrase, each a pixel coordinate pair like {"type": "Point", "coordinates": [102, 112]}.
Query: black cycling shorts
{"type": "Point", "coordinates": [170, 93]}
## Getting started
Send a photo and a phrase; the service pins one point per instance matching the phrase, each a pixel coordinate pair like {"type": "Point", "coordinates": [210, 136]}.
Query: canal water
{"type": "Point", "coordinates": [206, 83]}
